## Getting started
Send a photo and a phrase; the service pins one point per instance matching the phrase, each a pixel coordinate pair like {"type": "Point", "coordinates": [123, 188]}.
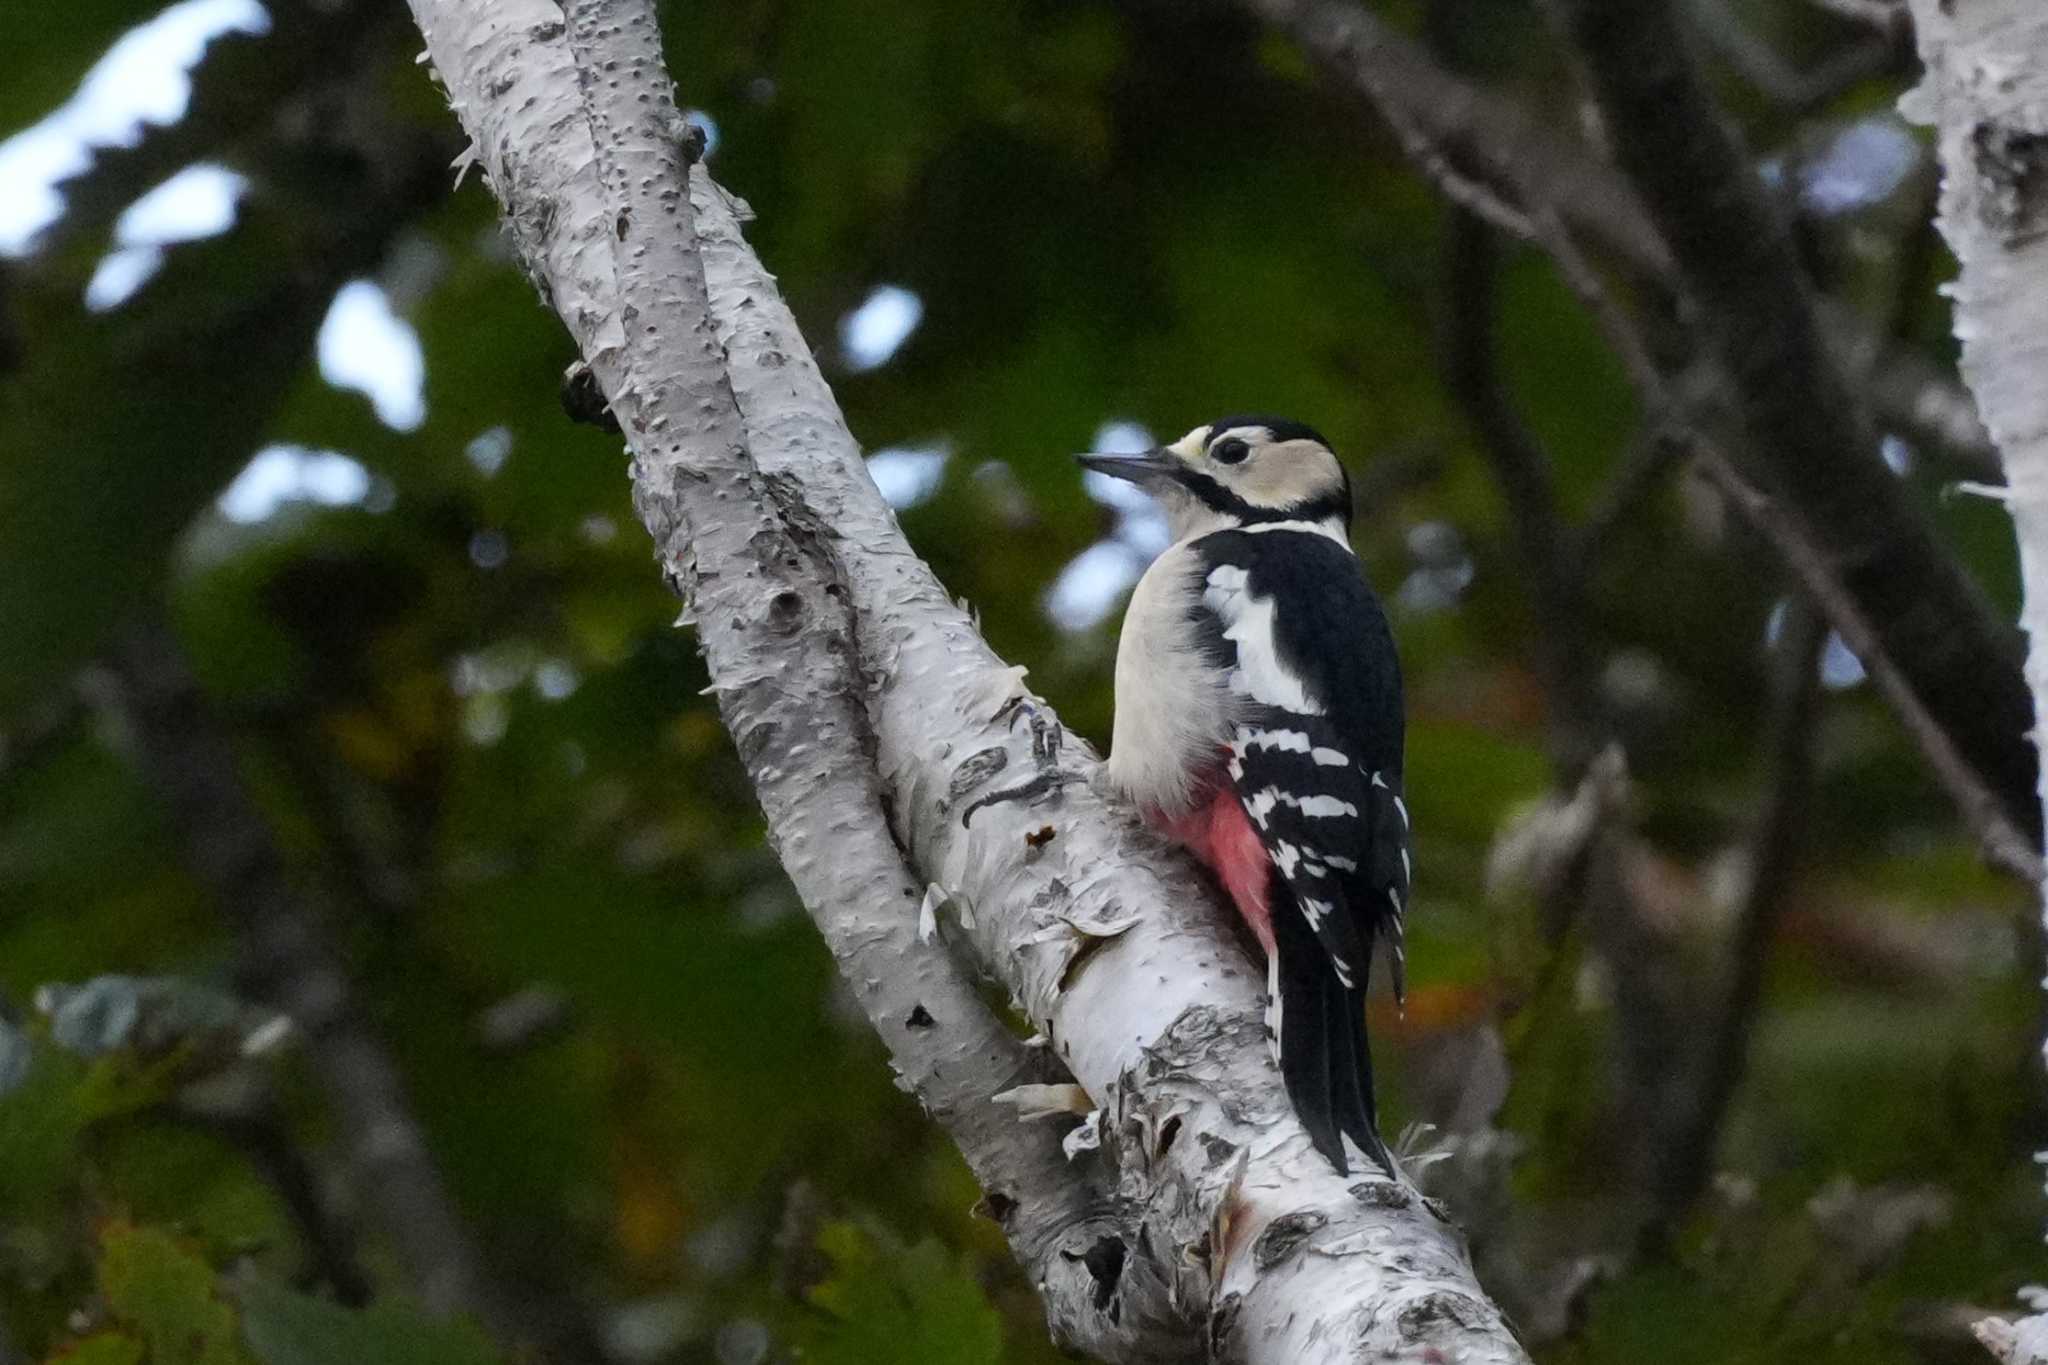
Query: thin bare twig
{"type": "Point", "coordinates": [1525, 164]}
{"type": "Point", "coordinates": [1889, 17]}
{"type": "Point", "coordinates": [2004, 845]}
{"type": "Point", "coordinates": [1467, 192]}
{"type": "Point", "coordinates": [1761, 66]}
{"type": "Point", "coordinates": [1687, 216]}
{"type": "Point", "coordinates": [1804, 434]}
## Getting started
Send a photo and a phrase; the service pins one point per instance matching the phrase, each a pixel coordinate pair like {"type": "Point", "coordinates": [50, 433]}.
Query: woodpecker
{"type": "Point", "coordinates": [1259, 723]}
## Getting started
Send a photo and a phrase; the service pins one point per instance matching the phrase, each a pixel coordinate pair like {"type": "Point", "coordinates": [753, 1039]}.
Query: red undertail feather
{"type": "Point", "coordinates": [1221, 835]}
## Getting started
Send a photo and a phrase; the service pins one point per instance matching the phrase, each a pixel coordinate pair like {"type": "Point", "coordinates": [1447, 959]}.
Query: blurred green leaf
{"type": "Point", "coordinates": [40, 1123]}
{"type": "Point", "coordinates": [287, 1328]}
{"type": "Point", "coordinates": [44, 1117]}
{"type": "Point", "coordinates": [101, 1348]}
{"type": "Point", "coordinates": [887, 1303]}
{"type": "Point", "coordinates": [167, 1293]}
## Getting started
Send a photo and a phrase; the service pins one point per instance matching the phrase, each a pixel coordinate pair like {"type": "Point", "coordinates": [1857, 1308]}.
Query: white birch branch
{"type": "Point", "coordinates": [1985, 93]}
{"type": "Point", "coordinates": [864, 703]}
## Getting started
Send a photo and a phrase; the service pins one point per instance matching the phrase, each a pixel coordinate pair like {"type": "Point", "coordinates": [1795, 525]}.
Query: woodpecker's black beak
{"type": "Point", "coordinates": [1149, 470]}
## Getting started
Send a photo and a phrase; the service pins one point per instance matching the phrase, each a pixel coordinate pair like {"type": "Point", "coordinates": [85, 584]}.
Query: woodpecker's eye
{"type": "Point", "coordinates": [1231, 451]}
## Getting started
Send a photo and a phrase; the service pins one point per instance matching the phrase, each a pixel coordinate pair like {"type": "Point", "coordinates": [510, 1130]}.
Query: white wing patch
{"type": "Point", "coordinates": [1261, 803]}
{"type": "Point", "coordinates": [1248, 623]}
{"type": "Point", "coordinates": [1323, 807]}
{"type": "Point", "coordinates": [1286, 741]}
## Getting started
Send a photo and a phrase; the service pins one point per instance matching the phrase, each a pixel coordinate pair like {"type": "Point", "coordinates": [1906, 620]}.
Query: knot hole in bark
{"type": "Point", "coordinates": [1105, 1263]}
{"type": "Point", "coordinates": [785, 612]}
{"type": "Point", "coordinates": [2013, 163]}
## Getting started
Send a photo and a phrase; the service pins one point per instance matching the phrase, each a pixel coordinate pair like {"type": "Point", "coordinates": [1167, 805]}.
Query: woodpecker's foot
{"type": "Point", "coordinates": [1046, 738]}
{"type": "Point", "coordinates": [1046, 783]}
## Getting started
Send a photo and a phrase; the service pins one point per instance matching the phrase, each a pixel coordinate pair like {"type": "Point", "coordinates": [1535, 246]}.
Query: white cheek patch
{"type": "Point", "coordinates": [1248, 621]}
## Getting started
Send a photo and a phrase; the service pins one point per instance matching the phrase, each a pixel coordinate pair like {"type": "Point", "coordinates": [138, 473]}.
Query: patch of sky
{"type": "Point", "coordinates": [1094, 581]}
{"type": "Point", "coordinates": [1840, 669]}
{"type": "Point", "coordinates": [1443, 569]}
{"type": "Point", "coordinates": [1089, 588]}
{"type": "Point", "coordinates": [365, 346]}
{"type": "Point", "coordinates": [907, 475]}
{"type": "Point", "coordinates": [198, 202]}
{"type": "Point", "coordinates": [144, 78]}
{"type": "Point", "coordinates": [281, 474]}
{"type": "Point", "coordinates": [875, 330]}
{"type": "Point", "coordinates": [489, 449]}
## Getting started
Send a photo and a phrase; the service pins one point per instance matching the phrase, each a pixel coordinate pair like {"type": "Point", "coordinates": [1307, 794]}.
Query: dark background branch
{"type": "Point", "coordinates": [1562, 640]}
{"type": "Point", "coordinates": [1806, 436]}
{"type": "Point", "coordinates": [289, 960]}
{"type": "Point", "coordinates": [1693, 1126]}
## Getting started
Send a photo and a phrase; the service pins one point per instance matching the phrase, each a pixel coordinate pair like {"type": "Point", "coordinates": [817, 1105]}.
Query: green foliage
{"type": "Point", "coordinates": [101, 1348]}
{"type": "Point", "coordinates": [175, 1310]}
{"type": "Point", "coordinates": [887, 1302]}
{"type": "Point", "coordinates": [483, 747]}
{"type": "Point", "coordinates": [167, 1293]}
{"type": "Point", "coordinates": [41, 1118]}
{"type": "Point", "coordinates": [44, 1116]}
{"type": "Point", "coordinates": [284, 1328]}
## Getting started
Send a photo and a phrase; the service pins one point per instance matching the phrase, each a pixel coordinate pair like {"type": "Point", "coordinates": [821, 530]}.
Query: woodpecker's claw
{"type": "Point", "coordinates": [1043, 784]}
{"type": "Point", "coordinates": [1047, 735]}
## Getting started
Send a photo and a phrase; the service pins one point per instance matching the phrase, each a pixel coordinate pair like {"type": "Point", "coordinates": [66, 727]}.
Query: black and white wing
{"type": "Point", "coordinates": [1315, 759]}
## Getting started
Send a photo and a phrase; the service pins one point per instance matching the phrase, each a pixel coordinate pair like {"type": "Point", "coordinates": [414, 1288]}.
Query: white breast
{"type": "Point", "coordinates": [1173, 707]}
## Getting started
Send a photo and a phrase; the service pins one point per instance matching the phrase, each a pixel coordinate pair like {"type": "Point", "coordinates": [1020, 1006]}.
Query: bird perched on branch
{"type": "Point", "coordinates": [1259, 723]}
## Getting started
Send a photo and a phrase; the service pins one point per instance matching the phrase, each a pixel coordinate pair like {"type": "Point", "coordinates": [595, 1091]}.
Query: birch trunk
{"type": "Point", "coordinates": [904, 768]}
{"type": "Point", "coordinates": [1985, 92]}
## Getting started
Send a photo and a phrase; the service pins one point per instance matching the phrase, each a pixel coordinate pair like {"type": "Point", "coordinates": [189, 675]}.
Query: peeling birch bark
{"type": "Point", "coordinates": [892, 750]}
{"type": "Point", "coordinates": [1985, 93]}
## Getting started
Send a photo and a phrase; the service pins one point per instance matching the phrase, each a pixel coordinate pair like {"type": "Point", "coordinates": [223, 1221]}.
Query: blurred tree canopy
{"type": "Point", "coordinates": [417, 612]}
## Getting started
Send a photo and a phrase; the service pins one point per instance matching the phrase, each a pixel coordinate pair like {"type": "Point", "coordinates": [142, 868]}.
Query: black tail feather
{"type": "Point", "coordinates": [1323, 1052]}
{"type": "Point", "coordinates": [1351, 1064]}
